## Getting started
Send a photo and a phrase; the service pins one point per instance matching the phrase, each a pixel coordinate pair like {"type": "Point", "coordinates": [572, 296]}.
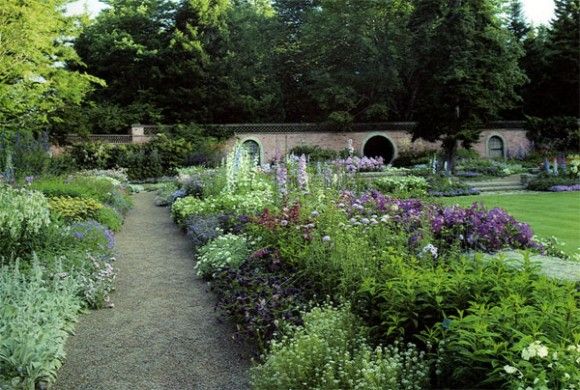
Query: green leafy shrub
{"type": "Point", "coordinates": [479, 314]}
{"type": "Point", "coordinates": [101, 189]}
{"type": "Point", "coordinates": [23, 153]}
{"type": "Point", "coordinates": [37, 313]}
{"type": "Point", "coordinates": [402, 186]}
{"type": "Point", "coordinates": [448, 186]}
{"type": "Point", "coordinates": [544, 183]}
{"type": "Point", "coordinates": [224, 251]}
{"type": "Point", "coordinates": [110, 218]}
{"type": "Point", "coordinates": [330, 351]}
{"type": "Point", "coordinates": [75, 187]}
{"type": "Point", "coordinates": [314, 153]}
{"type": "Point", "coordinates": [412, 156]}
{"type": "Point", "coordinates": [487, 167]}
{"type": "Point", "coordinates": [246, 203]}
{"type": "Point", "coordinates": [23, 215]}
{"type": "Point", "coordinates": [74, 209]}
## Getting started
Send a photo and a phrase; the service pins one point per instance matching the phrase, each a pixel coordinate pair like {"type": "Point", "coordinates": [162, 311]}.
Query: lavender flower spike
{"type": "Point", "coordinates": [282, 180]}
{"type": "Point", "coordinates": [302, 174]}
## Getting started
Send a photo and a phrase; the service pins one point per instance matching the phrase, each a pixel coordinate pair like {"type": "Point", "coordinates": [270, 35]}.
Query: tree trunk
{"type": "Point", "coordinates": [450, 148]}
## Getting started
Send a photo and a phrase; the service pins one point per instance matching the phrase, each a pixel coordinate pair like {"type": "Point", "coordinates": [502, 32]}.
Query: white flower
{"type": "Point", "coordinates": [509, 369]}
{"type": "Point", "coordinates": [542, 351]}
{"type": "Point", "coordinates": [535, 349]}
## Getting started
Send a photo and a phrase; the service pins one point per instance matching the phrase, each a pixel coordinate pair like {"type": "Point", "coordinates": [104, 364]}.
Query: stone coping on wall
{"type": "Point", "coordinates": [237, 128]}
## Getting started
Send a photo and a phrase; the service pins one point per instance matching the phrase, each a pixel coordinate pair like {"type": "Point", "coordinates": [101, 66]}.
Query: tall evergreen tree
{"type": "Point", "coordinates": [468, 70]}
{"type": "Point", "coordinates": [563, 87]}
{"type": "Point", "coordinates": [517, 23]}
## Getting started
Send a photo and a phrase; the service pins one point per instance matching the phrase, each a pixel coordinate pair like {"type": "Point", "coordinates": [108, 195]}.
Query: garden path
{"type": "Point", "coordinates": [163, 332]}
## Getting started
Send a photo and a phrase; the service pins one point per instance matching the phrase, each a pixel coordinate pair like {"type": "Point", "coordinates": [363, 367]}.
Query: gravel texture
{"type": "Point", "coordinates": [163, 332]}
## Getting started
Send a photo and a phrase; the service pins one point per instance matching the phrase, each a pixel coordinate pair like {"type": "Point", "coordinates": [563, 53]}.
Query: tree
{"type": "Point", "coordinates": [551, 63]}
{"type": "Point", "coordinates": [535, 64]}
{"type": "Point", "coordinates": [468, 70]}
{"type": "Point", "coordinates": [516, 20]}
{"type": "Point", "coordinates": [354, 57]}
{"type": "Point", "coordinates": [127, 47]}
{"type": "Point", "coordinates": [564, 60]}
{"type": "Point", "coordinates": [35, 47]}
{"type": "Point", "coordinates": [289, 63]}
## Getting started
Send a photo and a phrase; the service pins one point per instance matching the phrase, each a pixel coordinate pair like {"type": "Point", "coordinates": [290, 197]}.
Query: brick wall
{"type": "Point", "coordinates": [514, 139]}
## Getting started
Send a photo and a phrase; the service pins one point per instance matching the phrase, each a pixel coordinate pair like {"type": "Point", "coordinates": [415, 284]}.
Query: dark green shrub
{"type": "Point", "coordinates": [314, 153]}
{"type": "Point", "coordinates": [157, 158]}
{"type": "Point", "coordinates": [24, 154]}
{"type": "Point", "coordinates": [411, 157]}
{"type": "Point", "coordinates": [543, 183]}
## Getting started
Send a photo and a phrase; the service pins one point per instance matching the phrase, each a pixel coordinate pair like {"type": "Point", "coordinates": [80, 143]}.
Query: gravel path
{"type": "Point", "coordinates": [163, 332]}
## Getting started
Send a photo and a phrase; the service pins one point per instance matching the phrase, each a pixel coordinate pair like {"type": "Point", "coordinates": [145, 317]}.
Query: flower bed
{"type": "Point", "coordinates": [55, 259]}
{"type": "Point", "coordinates": [358, 164]}
{"type": "Point", "coordinates": [396, 269]}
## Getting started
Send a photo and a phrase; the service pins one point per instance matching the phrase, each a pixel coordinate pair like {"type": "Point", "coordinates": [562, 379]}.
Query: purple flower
{"type": "Point", "coordinates": [282, 180]}
{"type": "Point", "coordinates": [29, 179]}
{"type": "Point", "coordinates": [561, 188]}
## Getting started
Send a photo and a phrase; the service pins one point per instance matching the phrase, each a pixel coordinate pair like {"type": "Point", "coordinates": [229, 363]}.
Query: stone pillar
{"type": "Point", "coordinates": [138, 134]}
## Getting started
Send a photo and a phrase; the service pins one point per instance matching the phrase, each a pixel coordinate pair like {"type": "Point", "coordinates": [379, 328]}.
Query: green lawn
{"type": "Point", "coordinates": [549, 214]}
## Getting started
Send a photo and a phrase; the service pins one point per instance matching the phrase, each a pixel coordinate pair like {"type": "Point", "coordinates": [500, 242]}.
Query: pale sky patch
{"type": "Point", "coordinates": [539, 11]}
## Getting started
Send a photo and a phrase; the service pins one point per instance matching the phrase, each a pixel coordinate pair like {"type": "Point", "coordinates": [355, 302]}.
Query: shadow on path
{"type": "Point", "coordinates": [163, 332]}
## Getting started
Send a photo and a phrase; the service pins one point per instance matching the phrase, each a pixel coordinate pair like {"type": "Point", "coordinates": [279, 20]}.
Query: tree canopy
{"type": "Point", "coordinates": [35, 51]}
{"type": "Point", "coordinates": [339, 61]}
{"type": "Point", "coordinates": [468, 70]}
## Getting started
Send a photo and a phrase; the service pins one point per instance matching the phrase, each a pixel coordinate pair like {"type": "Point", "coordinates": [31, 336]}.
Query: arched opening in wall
{"type": "Point", "coordinates": [379, 146]}
{"type": "Point", "coordinates": [253, 149]}
{"type": "Point", "coordinates": [495, 147]}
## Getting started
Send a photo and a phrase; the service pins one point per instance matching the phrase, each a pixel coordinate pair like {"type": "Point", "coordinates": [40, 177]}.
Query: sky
{"type": "Point", "coordinates": [537, 11]}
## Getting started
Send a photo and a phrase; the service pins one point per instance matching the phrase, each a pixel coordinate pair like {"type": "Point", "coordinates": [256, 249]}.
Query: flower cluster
{"type": "Point", "coordinates": [574, 187]}
{"type": "Point", "coordinates": [471, 228]}
{"type": "Point", "coordinates": [535, 349]}
{"type": "Point", "coordinates": [302, 174]}
{"type": "Point", "coordinates": [97, 285]}
{"type": "Point", "coordinates": [282, 180]}
{"type": "Point", "coordinates": [23, 213]}
{"type": "Point", "coordinates": [227, 251]}
{"type": "Point", "coordinates": [364, 164]}
{"type": "Point", "coordinates": [330, 351]}
{"type": "Point", "coordinates": [118, 175]}
{"type": "Point", "coordinates": [477, 228]}
{"type": "Point", "coordinates": [94, 232]}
